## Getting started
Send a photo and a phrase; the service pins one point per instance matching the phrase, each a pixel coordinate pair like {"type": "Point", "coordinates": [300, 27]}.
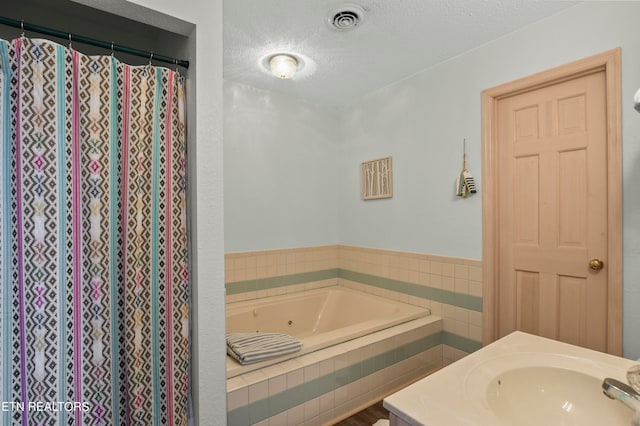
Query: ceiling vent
{"type": "Point", "coordinates": [346, 17]}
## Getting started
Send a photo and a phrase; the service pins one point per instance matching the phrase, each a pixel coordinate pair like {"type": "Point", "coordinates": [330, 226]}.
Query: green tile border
{"type": "Point", "coordinates": [460, 300]}
{"type": "Point", "coordinates": [463, 343]}
{"type": "Point", "coordinates": [280, 281]}
{"type": "Point", "coordinates": [268, 407]}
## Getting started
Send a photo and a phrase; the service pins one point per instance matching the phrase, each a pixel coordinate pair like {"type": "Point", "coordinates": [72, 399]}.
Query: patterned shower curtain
{"type": "Point", "coordinates": [94, 295]}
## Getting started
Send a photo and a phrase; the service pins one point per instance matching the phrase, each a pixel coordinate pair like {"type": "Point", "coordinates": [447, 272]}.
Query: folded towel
{"type": "Point", "coordinates": [461, 189]}
{"type": "Point", "coordinates": [248, 348]}
{"type": "Point", "coordinates": [469, 181]}
{"type": "Point", "coordinates": [465, 184]}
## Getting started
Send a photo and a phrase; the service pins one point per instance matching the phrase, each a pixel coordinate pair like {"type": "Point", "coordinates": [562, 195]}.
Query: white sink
{"type": "Point", "coordinates": [557, 396]}
{"type": "Point", "coordinates": [546, 388]}
{"type": "Point", "coordinates": [520, 380]}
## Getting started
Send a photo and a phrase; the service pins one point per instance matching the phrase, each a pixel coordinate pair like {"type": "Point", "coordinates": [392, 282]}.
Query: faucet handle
{"type": "Point", "coordinates": [633, 377]}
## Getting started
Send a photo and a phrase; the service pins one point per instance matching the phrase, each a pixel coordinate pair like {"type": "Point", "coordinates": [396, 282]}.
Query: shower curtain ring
{"type": "Point", "coordinates": [150, 59]}
{"type": "Point", "coordinates": [70, 42]}
{"type": "Point", "coordinates": [112, 49]}
{"type": "Point", "coordinates": [22, 28]}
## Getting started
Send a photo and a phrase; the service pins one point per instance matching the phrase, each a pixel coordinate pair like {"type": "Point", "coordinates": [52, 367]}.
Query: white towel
{"type": "Point", "coordinates": [461, 188]}
{"type": "Point", "coordinates": [248, 348]}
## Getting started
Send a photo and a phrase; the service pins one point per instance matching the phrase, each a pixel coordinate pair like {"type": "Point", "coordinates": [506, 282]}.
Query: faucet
{"type": "Point", "coordinates": [624, 393]}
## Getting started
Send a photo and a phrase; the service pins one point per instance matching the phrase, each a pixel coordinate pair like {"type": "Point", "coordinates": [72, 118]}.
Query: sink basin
{"type": "Point", "coordinates": [529, 388]}
{"type": "Point", "coordinates": [560, 397]}
{"type": "Point", "coordinates": [519, 380]}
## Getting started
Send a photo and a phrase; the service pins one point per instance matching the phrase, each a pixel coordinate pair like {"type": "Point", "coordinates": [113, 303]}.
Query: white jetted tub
{"type": "Point", "coordinates": [319, 318]}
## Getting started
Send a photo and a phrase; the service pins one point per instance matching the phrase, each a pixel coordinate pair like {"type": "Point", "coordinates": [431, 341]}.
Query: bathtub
{"type": "Point", "coordinates": [319, 318]}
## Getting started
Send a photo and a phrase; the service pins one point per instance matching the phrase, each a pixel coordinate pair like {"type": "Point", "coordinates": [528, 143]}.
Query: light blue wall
{"type": "Point", "coordinates": [281, 175]}
{"type": "Point", "coordinates": [421, 122]}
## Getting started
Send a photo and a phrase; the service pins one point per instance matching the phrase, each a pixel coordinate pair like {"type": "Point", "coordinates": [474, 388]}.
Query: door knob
{"type": "Point", "coordinates": [596, 264]}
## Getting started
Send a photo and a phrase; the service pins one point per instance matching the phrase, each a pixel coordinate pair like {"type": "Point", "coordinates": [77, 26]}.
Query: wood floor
{"type": "Point", "coordinates": [366, 417]}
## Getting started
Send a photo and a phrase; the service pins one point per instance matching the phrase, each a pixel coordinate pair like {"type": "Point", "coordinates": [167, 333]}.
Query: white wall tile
{"type": "Point", "coordinates": [258, 391]}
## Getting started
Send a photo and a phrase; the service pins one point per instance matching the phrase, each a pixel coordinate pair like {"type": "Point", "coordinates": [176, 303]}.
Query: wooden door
{"type": "Point", "coordinates": [552, 212]}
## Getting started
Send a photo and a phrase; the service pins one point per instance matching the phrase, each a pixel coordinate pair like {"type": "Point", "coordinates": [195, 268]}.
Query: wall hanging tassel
{"type": "Point", "coordinates": [465, 184]}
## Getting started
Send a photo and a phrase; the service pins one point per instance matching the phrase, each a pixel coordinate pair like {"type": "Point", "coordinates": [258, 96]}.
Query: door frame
{"type": "Point", "coordinates": [609, 62]}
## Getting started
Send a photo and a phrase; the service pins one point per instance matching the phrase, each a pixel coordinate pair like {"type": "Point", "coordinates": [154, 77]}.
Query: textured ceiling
{"type": "Point", "coordinates": [396, 39]}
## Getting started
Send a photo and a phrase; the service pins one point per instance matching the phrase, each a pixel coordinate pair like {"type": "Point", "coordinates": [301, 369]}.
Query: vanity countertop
{"type": "Point", "coordinates": [457, 394]}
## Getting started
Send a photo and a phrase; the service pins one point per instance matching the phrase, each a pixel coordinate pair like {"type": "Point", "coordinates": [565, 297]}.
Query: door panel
{"type": "Point", "coordinates": [552, 211]}
{"type": "Point", "coordinates": [528, 301]}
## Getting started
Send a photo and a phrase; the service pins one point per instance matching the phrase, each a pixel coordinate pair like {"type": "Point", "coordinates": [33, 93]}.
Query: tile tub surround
{"type": "Point", "coordinates": [450, 287]}
{"type": "Point", "coordinates": [257, 274]}
{"type": "Point", "coordinates": [325, 386]}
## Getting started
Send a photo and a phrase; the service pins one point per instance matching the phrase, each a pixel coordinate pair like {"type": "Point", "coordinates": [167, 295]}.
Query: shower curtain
{"type": "Point", "coordinates": [94, 294]}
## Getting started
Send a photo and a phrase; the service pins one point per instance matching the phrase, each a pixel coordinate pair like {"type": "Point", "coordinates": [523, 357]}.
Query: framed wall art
{"type": "Point", "coordinates": [376, 179]}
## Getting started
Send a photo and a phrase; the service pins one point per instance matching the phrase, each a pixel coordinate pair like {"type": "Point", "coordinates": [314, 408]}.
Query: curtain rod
{"type": "Point", "coordinates": [87, 40]}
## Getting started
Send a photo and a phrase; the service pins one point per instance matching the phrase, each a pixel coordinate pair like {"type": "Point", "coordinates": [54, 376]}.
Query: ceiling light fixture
{"type": "Point", "coordinates": [283, 66]}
